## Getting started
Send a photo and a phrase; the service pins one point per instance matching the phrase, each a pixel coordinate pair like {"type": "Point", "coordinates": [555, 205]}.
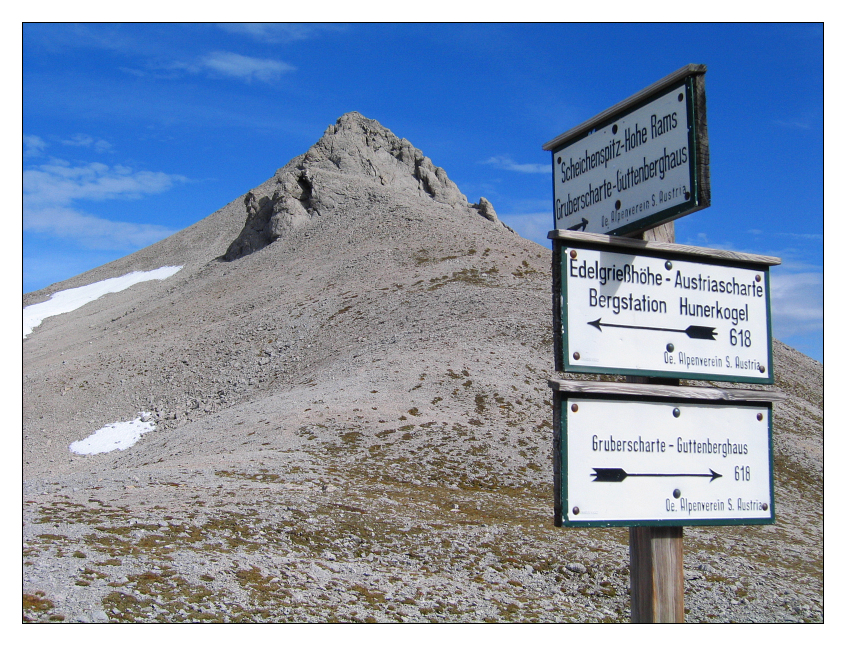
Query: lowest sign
{"type": "Point", "coordinates": [664, 460]}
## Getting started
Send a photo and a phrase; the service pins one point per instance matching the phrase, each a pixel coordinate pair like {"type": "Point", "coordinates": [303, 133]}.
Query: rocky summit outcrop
{"type": "Point", "coordinates": [355, 147]}
{"type": "Point", "coordinates": [352, 423]}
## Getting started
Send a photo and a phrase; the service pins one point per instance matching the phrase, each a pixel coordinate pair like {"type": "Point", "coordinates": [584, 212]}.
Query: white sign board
{"type": "Point", "coordinates": [635, 172]}
{"type": "Point", "coordinates": [661, 317]}
{"type": "Point", "coordinates": [671, 463]}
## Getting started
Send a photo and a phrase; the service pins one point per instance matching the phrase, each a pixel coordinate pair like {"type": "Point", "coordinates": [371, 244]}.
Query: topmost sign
{"type": "Point", "coordinates": [638, 164]}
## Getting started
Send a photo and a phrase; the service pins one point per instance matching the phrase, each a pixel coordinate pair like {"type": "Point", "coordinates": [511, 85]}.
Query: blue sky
{"type": "Point", "coordinates": [132, 132]}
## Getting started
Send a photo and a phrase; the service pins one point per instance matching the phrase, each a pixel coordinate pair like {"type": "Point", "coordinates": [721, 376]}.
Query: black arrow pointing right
{"type": "Point", "coordinates": [618, 475]}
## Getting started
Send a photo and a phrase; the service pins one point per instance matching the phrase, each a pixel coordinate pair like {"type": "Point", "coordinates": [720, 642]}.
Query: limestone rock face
{"type": "Point", "coordinates": [486, 209]}
{"type": "Point", "coordinates": [355, 148]}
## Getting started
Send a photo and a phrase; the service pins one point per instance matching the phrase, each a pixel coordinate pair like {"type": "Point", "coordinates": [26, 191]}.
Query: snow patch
{"type": "Point", "coordinates": [120, 435]}
{"type": "Point", "coordinates": [68, 300]}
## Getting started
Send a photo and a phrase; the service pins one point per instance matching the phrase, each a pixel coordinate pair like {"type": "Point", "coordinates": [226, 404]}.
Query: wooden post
{"type": "Point", "coordinates": [657, 575]}
{"type": "Point", "coordinates": [656, 555]}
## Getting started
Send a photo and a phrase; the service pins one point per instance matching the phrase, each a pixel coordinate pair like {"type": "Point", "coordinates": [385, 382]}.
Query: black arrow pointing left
{"type": "Point", "coordinates": [693, 331]}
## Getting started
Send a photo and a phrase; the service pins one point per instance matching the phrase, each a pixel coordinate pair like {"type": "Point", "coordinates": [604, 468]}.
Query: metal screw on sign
{"type": "Point", "coordinates": [573, 254]}
{"type": "Point", "coordinates": [676, 412]}
{"type": "Point", "coordinates": [760, 416]}
{"type": "Point", "coordinates": [670, 347]}
{"type": "Point", "coordinates": [576, 356]}
{"type": "Point", "coordinates": [574, 408]}
{"type": "Point", "coordinates": [676, 493]}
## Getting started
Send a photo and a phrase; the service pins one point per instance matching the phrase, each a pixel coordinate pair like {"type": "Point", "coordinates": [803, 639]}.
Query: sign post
{"type": "Point", "coordinates": [656, 312]}
{"type": "Point", "coordinates": [656, 566]}
{"type": "Point", "coordinates": [656, 554]}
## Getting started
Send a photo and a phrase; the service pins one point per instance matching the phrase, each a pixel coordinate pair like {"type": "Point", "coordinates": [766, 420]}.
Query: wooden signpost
{"type": "Point", "coordinates": [650, 454]}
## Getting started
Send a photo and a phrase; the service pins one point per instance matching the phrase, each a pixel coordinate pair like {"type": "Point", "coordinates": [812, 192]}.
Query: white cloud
{"type": "Point", "coordinates": [91, 231]}
{"type": "Point", "coordinates": [33, 145]}
{"type": "Point", "coordinates": [532, 226]}
{"type": "Point", "coordinates": [87, 141]}
{"type": "Point", "coordinates": [50, 193]}
{"type": "Point", "coordinates": [245, 68]}
{"type": "Point", "coordinates": [219, 65]}
{"type": "Point", "coordinates": [79, 140]}
{"type": "Point", "coordinates": [795, 124]}
{"type": "Point", "coordinates": [57, 182]}
{"type": "Point", "coordinates": [801, 236]}
{"type": "Point", "coordinates": [506, 163]}
{"type": "Point", "coordinates": [277, 32]}
{"type": "Point", "coordinates": [133, 71]}
{"type": "Point", "coordinates": [797, 303]}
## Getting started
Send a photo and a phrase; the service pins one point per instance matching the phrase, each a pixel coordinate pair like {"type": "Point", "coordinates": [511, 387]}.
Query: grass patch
{"type": "Point", "coordinates": [35, 604]}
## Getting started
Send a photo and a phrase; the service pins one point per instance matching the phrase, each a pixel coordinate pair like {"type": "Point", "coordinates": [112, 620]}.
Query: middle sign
{"type": "Point", "coordinates": [662, 310]}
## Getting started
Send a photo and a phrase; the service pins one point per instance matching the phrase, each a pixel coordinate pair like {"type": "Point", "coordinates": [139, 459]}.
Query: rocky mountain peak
{"type": "Point", "coordinates": [354, 149]}
{"type": "Point", "coordinates": [356, 145]}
